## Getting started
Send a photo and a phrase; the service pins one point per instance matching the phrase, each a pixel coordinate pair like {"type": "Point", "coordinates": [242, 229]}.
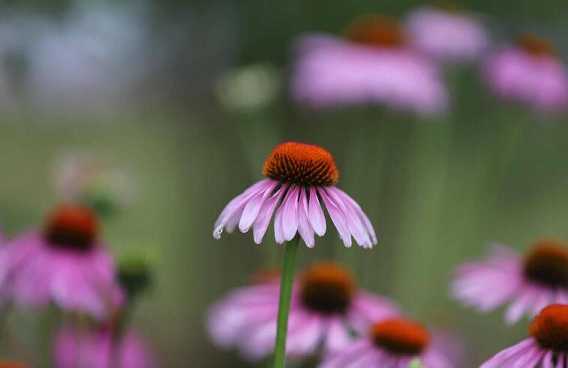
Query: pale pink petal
{"type": "Point", "coordinates": [265, 214]}
{"type": "Point", "coordinates": [304, 336]}
{"type": "Point", "coordinates": [522, 304]}
{"type": "Point", "coordinates": [357, 209]}
{"type": "Point", "coordinates": [304, 227]}
{"type": "Point", "coordinates": [547, 361]}
{"type": "Point", "coordinates": [235, 207]}
{"type": "Point", "coordinates": [290, 213]}
{"type": "Point", "coordinates": [338, 336]}
{"type": "Point", "coordinates": [315, 213]}
{"type": "Point", "coordinates": [500, 359]}
{"type": "Point", "coordinates": [352, 220]}
{"type": "Point", "coordinates": [346, 356]}
{"type": "Point", "coordinates": [336, 217]}
{"type": "Point", "coordinates": [253, 206]}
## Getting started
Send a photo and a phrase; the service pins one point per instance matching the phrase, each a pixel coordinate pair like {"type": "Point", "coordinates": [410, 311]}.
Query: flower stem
{"type": "Point", "coordinates": [286, 281]}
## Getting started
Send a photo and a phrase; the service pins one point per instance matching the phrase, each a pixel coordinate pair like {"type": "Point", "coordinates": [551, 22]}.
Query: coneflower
{"type": "Point", "coordinates": [375, 63]}
{"type": "Point", "coordinates": [327, 308]}
{"type": "Point", "coordinates": [528, 283]}
{"type": "Point", "coordinates": [529, 73]}
{"type": "Point", "coordinates": [65, 263]}
{"type": "Point", "coordinates": [300, 182]}
{"type": "Point", "coordinates": [547, 346]}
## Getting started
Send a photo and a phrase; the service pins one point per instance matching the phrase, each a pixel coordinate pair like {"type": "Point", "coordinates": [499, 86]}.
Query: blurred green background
{"type": "Point", "coordinates": [439, 192]}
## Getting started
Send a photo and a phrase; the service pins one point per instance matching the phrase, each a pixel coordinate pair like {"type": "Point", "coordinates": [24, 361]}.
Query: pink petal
{"type": "Point", "coordinates": [253, 206]}
{"type": "Point", "coordinates": [336, 217]}
{"type": "Point", "coordinates": [265, 214]}
{"type": "Point", "coordinates": [352, 219]}
{"type": "Point", "coordinates": [304, 227]}
{"type": "Point", "coordinates": [290, 214]}
{"type": "Point", "coordinates": [231, 213]}
{"type": "Point", "coordinates": [315, 213]}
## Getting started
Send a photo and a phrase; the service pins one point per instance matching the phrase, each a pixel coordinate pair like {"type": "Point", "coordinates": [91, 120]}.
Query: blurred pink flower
{"type": "Point", "coordinates": [300, 178]}
{"type": "Point", "coordinates": [93, 349]}
{"type": "Point", "coordinates": [529, 283]}
{"type": "Point", "coordinates": [529, 73]}
{"type": "Point", "coordinates": [546, 348]}
{"type": "Point", "coordinates": [375, 65]}
{"type": "Point", "coordinates": [393, 343]}
{"type": "Point", "coordinates": [327, 308]}
{"type": "Point", "coordinates": [64, 263]}
{"type": "Point", "coordinates": [445, 35]}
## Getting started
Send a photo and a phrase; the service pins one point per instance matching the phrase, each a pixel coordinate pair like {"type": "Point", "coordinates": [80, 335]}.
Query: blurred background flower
{"type": "Point", "coordinates": [530, 73]}
{"type": "Point", "coordinates": [372, 64]}
{"type": "Point", "coordinates": [447, 35]}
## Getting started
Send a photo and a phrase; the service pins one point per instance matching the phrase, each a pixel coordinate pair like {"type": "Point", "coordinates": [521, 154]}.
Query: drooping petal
{"type": "Point", "coordinates": [279, 219]}
{"type": "Point", "coordinates": [290, 214]}
{"type": "Point", "coordinates": [265, 214]}
{"type": "Point", "coordinates": [352, 220]}
{"type": "Point", "coordinates": [500, 359]}
{"type": "Point", "coordinates": [304, 227]}
{"type": "Point", "coordinates": [336, 217]}
{"type": "Point", "coordinates": [315, 213]}
{"type": "Point", "coordinates": [253, 206]}
{"type": "Point", "coordinates": [231, 213]}
{"type": "Point", "coordinates": [357, 209]}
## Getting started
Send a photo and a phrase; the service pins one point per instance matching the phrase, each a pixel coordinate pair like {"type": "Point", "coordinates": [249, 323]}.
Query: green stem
{"type": "Point", "coordinates": [286, 281]}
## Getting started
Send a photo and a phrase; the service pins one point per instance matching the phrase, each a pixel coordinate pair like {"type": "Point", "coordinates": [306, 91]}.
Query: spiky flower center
{"type": "Point", "coordinates": [71, 227]}
{"type": "Point", "coordinates": [535, 45]}
{"type": "Point", "coordinates": [327, 288]}
{"type": "Point", "coordinates": [376, 31]}
{"type": "Point", "coordinates": [302, 164]}
{"type": "Point", "coordinates": [547, 264]}
{"type": "Point", "coordinates": [400, 336]}
{"type": "Point", "coordinates": [550, 328]}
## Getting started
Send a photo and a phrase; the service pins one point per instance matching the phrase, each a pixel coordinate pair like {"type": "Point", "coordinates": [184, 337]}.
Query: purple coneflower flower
{"type": "Point", "coordinates": [529, 283]}
{"type": "Point", "coordinates": [529, 73]}
{"type": "Point", "coordinates": [327, 308]}
{"type": "Point", "coordinates": [300, 178]}
{"type": "Point", "coordinates": [75, 347]}
{"type": "Point", "coordinates": [447, 35]}
{"type": "Point", "coordinates": [546, 348]}
{"type": "Point", "coordinates": [394, 343]}
{"type": "Point", "coordinates": [64, 263]}
{"type": "Point", "coordinates": [374, 64]}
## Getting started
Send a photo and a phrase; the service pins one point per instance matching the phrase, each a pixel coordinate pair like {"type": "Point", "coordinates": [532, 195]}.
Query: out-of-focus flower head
{"type": "Point", "coordinates": [526, 283]}
{"type": "Point", "coordinates": [82, 177]}
{"type": "Point", "coordinates": [327, 309]}
{"type": "Point", "coordinates": [529, 73]}
{"type": "Point", "coordinates": [393, 342]}
{"type": "Point", "coordinates": [373, 64]}
{"type": "Point", "coordinates": [547, 346]}
{"type": "Point", "coordinates": [249, 88]}
{"type": "Point", "coordinates": [447, 35]}
{"type": "Point", "coordinates": [300, 178]}
{"type": "Point", "coordinates": [93, 348]}
{"type": "Point", "coordinates": [65, 263]}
